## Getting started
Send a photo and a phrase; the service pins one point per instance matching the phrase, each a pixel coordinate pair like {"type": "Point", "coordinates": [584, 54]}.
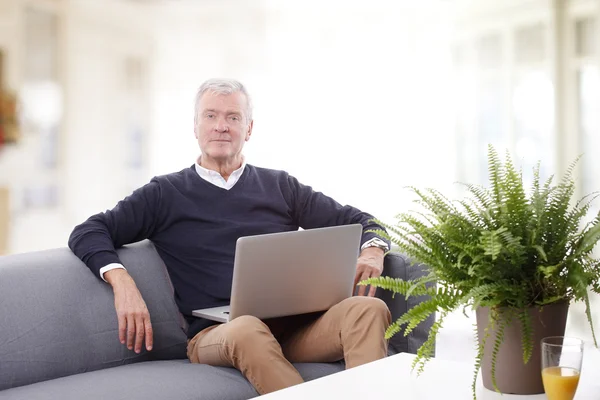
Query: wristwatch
{"type": "Point", "coordinates": [375, 242]}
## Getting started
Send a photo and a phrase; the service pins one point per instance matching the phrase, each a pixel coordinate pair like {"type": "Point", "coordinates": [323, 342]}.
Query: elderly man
{"type": "Point", "coordinates": [194, 218]}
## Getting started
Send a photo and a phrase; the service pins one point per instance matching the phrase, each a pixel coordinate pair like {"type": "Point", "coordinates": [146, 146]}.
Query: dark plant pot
{"type": "Point", "coordinates": [513, 376]}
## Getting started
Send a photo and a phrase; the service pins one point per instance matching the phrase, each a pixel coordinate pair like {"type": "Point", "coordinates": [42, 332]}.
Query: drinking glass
{"type": "Point", "coordinates": [561, 366]}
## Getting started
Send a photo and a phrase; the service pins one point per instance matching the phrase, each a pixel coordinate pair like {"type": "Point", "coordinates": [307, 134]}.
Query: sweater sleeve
{"type": "Point", "coordinates": [131, 220]}
{"type": "Point", "coordinates": [311, 209]}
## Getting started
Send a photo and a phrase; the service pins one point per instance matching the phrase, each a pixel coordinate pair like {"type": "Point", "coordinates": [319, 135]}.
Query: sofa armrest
{"type": "Point", "coordinates": [399, 266]}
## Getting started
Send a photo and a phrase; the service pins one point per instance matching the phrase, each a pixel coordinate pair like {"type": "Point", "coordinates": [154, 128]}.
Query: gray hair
{"type": "Point", "coordinates": [222, 86]}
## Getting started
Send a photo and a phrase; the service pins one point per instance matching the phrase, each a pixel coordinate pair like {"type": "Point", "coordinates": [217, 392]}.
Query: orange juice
{"type": "Point", "coordinates": [560, 383]}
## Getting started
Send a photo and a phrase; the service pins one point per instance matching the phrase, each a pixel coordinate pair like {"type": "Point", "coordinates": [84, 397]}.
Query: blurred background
{"type": "Point", "coordinates": [358, 99]}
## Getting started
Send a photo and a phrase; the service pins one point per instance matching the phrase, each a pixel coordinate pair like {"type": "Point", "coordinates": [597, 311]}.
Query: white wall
{"type": "Point", "coordinates": [95, 40]}
{"type": "Point", "coordinates": [18, 162]}
{"type": "Point", "coordinates": [194, 42]}
{"type": "Point", "coordinates": [101, 38]}
{"type": "Point", "coordinates": [351, 99]}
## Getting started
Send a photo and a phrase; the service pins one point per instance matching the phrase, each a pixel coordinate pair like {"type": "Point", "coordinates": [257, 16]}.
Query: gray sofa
{"type": "Point", "coordinates": [59, 340]}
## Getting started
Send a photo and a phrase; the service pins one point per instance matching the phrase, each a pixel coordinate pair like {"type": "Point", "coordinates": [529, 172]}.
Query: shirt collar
{"type": "Point", "coordinates": [207, 174]}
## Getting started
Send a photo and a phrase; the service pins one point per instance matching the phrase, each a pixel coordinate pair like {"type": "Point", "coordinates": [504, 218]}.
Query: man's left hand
{"type": "Point", "coordinates": [369, 265]}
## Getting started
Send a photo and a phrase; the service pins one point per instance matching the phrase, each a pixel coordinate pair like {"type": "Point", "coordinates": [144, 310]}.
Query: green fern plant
{"type": "Point", "coordinates": [502, 247]}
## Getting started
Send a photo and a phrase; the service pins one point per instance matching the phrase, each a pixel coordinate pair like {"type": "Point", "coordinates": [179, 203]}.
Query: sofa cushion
{"type": "Point", "coordinates": [176, 379]}
{"type": "Point", "coordinates": [58, 319]}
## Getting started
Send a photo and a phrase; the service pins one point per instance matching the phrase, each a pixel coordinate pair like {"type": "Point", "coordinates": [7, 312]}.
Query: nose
{"type": "Point", "coordinates": [221, 125]}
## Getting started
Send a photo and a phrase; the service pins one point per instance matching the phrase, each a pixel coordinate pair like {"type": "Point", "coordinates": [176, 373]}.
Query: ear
{"type": "Point", "coordinates": [195, 132]}
{"type": "Point", "coordinates": [249, 133]}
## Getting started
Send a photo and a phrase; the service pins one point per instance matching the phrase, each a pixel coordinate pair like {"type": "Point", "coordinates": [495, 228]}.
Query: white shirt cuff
{"type": "Point", "coordinates": [108, 267]}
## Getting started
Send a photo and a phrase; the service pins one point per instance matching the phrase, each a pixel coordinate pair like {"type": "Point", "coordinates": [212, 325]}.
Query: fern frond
{"type": "Point", "coordinates": [426, 351]}
{"type": "Point", "coordinates": [589, 240]}
{"type": "Point", "coordinates": [503, 320]}
{"type": "Point", "coordinates": [526, 334]}
{"type": "Point", "coordinates": [480, 343]}
{"type": "Point", "coordinates": [588, 314]}
{"type": "Point", "coordinates": [398, 285]}
{"type": "Point", "coordinates": [482, 198]}
{"type": "Point", "coordinates": [490, 242]}
{"type": "Point", "coordinates": [421, 312]}
{"type": "Point", "coordinates": [393, 329]}
{"type": "Point", "coordinates": [495, 175]}
{"type": "Point", "coordinates": [480, 293]}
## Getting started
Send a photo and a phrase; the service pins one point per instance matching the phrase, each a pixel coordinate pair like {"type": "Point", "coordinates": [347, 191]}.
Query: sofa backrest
{"type": "Point", "coordinates": [58, 319]}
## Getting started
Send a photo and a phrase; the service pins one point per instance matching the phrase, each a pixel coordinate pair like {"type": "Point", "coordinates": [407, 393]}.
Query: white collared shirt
{"type": "Point", "coordinates": [216, 179]}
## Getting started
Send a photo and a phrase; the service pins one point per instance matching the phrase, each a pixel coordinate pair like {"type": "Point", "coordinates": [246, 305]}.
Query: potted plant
{"type": "Point", "coordinates": [518, 258]}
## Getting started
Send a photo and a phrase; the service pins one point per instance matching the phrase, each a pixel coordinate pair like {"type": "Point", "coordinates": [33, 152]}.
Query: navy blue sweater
{"type": "Point", "coordinates": [194, 226]}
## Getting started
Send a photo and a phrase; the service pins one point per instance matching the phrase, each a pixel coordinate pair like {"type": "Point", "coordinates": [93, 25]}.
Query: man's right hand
{"type": "Point", "coordinates": [132, 313]}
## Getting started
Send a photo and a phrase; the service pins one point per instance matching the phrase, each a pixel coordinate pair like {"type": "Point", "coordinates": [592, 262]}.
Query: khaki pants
{"type": "Point", "coordinates": [352, 330]}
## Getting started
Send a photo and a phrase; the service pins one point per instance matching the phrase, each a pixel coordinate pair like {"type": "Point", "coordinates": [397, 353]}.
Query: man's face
{"type": "Point", "coordinates": [222, 126]}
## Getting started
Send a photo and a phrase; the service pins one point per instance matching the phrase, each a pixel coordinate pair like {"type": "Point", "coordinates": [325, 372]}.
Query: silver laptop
{"type": "Point", "coordinates": [290, 273]}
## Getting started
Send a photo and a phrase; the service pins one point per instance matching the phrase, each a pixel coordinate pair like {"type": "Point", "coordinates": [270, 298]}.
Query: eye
{"type": "Point", "coordinates": [235, 118]}
{"type": "Point", "coordinates": [209, 115]}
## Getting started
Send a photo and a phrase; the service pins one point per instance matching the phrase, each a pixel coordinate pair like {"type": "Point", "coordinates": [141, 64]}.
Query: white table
{"type": "Point", "coordinates": [392, 378]}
